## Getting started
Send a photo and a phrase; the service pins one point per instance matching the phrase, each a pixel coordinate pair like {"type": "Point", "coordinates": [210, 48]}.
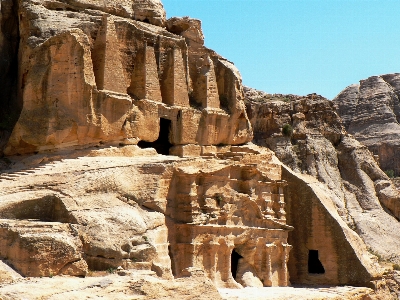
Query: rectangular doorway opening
{"type": "Point", "coordinates": [314, 264]}
{"type": "Point", "coordinates": [162, 144]}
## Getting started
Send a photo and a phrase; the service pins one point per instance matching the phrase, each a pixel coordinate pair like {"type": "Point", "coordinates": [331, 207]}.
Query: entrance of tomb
{"type": "Point", "coordinates": [162, 144]}
{"type": "Point", "coordinates": [234, 263]}
{"type": "Point", "coordinates": [314, 264]}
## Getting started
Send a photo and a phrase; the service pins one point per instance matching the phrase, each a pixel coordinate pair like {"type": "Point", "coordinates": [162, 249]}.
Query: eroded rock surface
{"type": "Point", "coordinates": [95, 71]}
{"type": "Point", "coordinates": [371, 112]}
{"type": "Point", "coordinates": [347, 173]}
{"type": "Point", "coordinates": [174, 216]}
{"type": "Point", "coordinates": [137, 285]}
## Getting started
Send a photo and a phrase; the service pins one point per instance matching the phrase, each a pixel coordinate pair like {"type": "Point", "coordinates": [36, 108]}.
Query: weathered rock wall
{"type": "Point", "coordinates": [88, 72]}
{"type": "Point", "coordinates": [318, 145]}
{"type": "Point", "coordinates": [371, 112]}
{"type": "Point", "coordinates": [131, 208]}
{"type": "Point", "coordinates": [320, 231]}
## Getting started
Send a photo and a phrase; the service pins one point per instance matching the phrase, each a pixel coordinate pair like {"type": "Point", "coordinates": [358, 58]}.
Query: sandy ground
{"type": "Point", "coordinates": [292, 293]}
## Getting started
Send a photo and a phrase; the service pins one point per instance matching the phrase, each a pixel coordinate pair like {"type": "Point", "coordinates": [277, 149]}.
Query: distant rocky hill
{"type": "Point", "coordinates": [371, 113]}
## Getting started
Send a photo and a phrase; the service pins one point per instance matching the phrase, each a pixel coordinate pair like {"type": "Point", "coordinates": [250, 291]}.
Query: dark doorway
{"type": "Point", "coordinates": [234, 262]}
{"type": "Point", "coordinates": [162, 144]}
{"type": "Point", "coordinates": [314, 264]}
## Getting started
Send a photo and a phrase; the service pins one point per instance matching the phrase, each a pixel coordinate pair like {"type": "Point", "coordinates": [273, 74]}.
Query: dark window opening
{"type": "Point", "coordinates": [314, 264]}
{"type": "Point", "coordinates": [234, 262]}
{"type": "Point", "coordinates": [162, 144]}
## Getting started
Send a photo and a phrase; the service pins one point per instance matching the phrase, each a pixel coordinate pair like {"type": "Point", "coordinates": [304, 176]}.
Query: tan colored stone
{"type": "Point", "coordinates": [371, 111]}
{"type": "Point", "coordinates": [145, 82]}
{"type": "Point", "coordinates": [98, 74]}
{"type": "Point", "coordinates": [41, 249]}
{"type": "Point", "coordinates": [186, 151]}
{"type": "Point", "coordinates": [138, 285]}
{"type": "Point", "coordinates": [340, 250]}
{"type": "Point", "coordinates": [205, 88]}
{"type": "Point", "coordinates": [7, 274]}
{"type": "Point", "coordinates": [347, 171]}
{"type": "Point", "coordinates": [174, 86]}
{"type": "Point", "coordinates": [107, 60]}
{"type": "Point", "coordinates": [151, 11]}
{"type": "Point", "coordinates": [214, 222]}
{"type": "Point", "coordinates": [74, 82]}
{"type": "Point", "coordinates": [58, 110]}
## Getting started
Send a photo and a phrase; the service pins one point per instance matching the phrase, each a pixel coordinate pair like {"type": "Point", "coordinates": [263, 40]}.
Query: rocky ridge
{"type": "Point", "coordinates": [371, 112]}
{"type": "Point", "coordinates": [318, 145]}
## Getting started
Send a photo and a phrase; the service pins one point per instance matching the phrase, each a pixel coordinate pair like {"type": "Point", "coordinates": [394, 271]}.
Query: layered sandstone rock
{"type": "Point", "coordinates": [347, 176]}
{"type": "Point", "coordinates": [161, 213]}
{"type": "Point", "coordinates": [89, 72]}
{"type": "Point", "coordinates": [371, 112]}
{"type": "Point", "coordinates": [121, 285]}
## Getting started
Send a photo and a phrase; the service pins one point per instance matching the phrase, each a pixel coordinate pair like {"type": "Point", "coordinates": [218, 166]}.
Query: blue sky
{"type": "Point", "coordinates": [300, 46]}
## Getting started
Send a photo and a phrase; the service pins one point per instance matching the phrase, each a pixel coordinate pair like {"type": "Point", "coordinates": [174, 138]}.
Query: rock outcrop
{"type": "Point", "coordinates": [371, 112]}
{"type": "Point", "coordinates": [346, 175]}
{"type": "Point", "coordinates": [90, 72]}
{"type": "Point", "coordinates": [161, 213]}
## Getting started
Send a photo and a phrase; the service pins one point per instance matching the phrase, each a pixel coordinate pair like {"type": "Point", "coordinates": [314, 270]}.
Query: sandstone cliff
{"type": "Point", "coordinates": [94, 71]}
{"type": "Point", "coordinates": [371, 112]}
{"type": "Point", "coordinates": [318, 145]}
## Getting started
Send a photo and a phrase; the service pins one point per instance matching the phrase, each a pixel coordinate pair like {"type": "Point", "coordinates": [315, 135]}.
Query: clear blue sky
{"type": "Point", "coordinates": [300, 46]}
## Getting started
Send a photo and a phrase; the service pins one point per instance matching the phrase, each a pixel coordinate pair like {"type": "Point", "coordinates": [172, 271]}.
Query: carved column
{"type": "Point", "coordinates": [227, 271]}
{"type": "Point", "coordinates": [282, 213]}
{"type": "Point", "coordinates": [259, 256]}
{"type": "Point", "coordinates": [268, 264]}
{"type": "Point", "coordinates": [285, 257]}
{"type": "Point", "coordinates": [268, 204]}
{"type": "Point", "coordinates": [214, 246]}
{"type": "Point", "coordinates": [193, 199]}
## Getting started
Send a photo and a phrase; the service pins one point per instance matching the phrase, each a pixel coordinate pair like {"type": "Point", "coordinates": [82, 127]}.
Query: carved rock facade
{"type": "Point", "coordinates": [98, 75]}
{"type": "Point", "coordinates": [231, 222]}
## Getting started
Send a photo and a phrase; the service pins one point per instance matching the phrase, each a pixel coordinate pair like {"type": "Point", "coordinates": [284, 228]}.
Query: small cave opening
{"type": "Point", "coordinates": [162, 144]}
{"type": "Point", "coordinates": [314, 264]}
{"type": "Point", "coordinates": [234, 263]}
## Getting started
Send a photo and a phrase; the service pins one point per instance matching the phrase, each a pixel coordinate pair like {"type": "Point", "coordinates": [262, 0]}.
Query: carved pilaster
{"type": "Point", "coordinates": [268, 264]}
{"type": "Point", "coordinates": [258, 256]}
{"type": "Point", "coordinates": [281, 213]}
{"type": "Point", "coordinates": [227, 271]}
{"type": "Point", "coordinates": [268, 204]}
{"type": "Point", "coordinates": [284, 271]}
{"type": "Point", "coordinates": [213, 247]}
